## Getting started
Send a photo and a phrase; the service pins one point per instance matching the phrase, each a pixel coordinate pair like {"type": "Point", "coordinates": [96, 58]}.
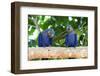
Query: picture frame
{"type": "Point", "coordinates": [19, 13]}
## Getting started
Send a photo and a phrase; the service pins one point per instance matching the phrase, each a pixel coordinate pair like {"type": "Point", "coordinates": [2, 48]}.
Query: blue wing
{"type": "Point", "coordinates": [71, 40]}
{"type": "Point", "coordinates": [40, 40]}
{"type": "Point", "coordinates": [44, 40]}
{"type": "Point", "coordinates": [76, 40]}
{"type": "Point", "coordinates": [67, 41]}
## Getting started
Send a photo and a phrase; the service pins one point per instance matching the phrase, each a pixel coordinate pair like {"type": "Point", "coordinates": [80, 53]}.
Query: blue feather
{"type": "Point", "coordinates": [44, 40]}
{"type": "Point", "coordinates": [71, 39]}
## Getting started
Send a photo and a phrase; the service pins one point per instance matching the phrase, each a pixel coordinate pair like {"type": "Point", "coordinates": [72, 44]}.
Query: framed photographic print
{"type": "Point", "coordinates": [52, 37]}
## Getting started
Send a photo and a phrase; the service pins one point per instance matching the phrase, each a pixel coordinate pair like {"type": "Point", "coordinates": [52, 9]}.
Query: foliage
{"type": "Point", "coordinates": [39, 23]}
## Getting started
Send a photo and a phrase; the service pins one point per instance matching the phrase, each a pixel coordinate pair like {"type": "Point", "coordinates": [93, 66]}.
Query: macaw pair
{"type": "Point", "coordinates": [45, 38]}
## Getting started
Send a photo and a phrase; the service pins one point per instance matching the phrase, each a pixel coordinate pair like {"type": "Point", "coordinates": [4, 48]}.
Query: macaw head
{"type": "Point", "coordinates": [69, 29]}
{"type": "Point", "coordinates": [50, 33]}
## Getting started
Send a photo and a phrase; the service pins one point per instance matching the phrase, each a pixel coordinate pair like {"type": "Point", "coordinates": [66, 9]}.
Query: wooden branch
{"type": "Point", "coordinates": [60, 36]}
{"type": "Point", "coordinates": [57, 52]}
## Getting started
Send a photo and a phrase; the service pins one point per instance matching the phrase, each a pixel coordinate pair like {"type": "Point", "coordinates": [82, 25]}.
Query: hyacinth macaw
{"type": "Point", "coordinates": [45, 38]}
{"type": "Point", "coordinates": [71, 38]}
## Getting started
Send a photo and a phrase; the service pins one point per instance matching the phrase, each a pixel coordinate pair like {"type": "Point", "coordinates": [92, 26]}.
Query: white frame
{"type": "Point", "coordinates": [25, 11]}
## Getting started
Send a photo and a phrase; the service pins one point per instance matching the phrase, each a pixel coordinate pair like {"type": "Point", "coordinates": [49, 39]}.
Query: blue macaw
{"type": "Point", "coordinates": [45, 38]}
{"type": "Point", "coordinates": [71, 38]}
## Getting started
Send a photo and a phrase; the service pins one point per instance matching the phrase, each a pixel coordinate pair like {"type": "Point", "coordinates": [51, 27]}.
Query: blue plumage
{"type": "Point", "coordinates": [71, 38]}
{"type": "Point", "coordinates": [45, 38]}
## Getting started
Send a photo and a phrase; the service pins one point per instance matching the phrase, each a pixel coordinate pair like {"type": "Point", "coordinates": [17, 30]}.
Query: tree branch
{"type": "Point", "coordinates": [35, 22]}
{"type": "Point", "coordinates": [60, 36]}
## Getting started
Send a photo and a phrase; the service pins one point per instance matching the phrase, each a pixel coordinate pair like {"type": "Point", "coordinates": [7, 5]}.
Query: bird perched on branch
{"type": "Point", "coordinates": [45, 38]}
{"type": "Point", "coordinates": [71, 37]}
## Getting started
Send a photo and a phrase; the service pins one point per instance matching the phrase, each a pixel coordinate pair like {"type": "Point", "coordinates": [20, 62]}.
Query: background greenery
{"type": "Point", "coordinates": [39, 23]}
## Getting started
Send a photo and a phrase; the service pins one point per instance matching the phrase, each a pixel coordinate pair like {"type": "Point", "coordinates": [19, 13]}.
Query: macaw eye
{"type": "Point", "coordinates": [68, 29]}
